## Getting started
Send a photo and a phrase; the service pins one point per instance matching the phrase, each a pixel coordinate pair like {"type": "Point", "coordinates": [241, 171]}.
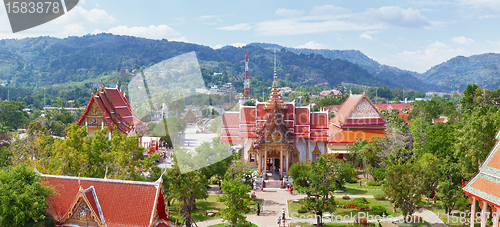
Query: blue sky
{"type": "Point", "coordinates": [408, 34]}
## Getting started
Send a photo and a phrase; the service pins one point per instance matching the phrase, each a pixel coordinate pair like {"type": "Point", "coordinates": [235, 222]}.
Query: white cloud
{"type": "Point", "coordinates": [179, 21]}
{"type": "Point", "coordinates": [329, 18]}
{"type": "Point", "coordinates": [423, 59]}
{"type": "Point", "coordinates": [236, 27]}
{"type": "Point", "coordinates": [152, 32]}
{"type": "Point", "coordinates": [491, 42]}
{"type": "Point", "coordinates": [329, 9]}
{"type": "Point", "coordinates": [462, 40]}
{"type": "Point", "coordinates": [209, 19]}
{"type": "Point", "coordinates": [289, 12]}
{"type": "Point", "coordinates": [366, 35]}
{"type": "Point", "coordinates": [395, 16]}
{"type": "Point", "coordinates": [79, 14]}
{"type": "Point", "coordinates": [238, 44]}
{"type": "Point", "coordinates": [179, 39]}
{"type": "Point", "coordinates": [297, 27]}
{"type": "Point", "coordinates": [312, 45]}
{"type": "Point", "coordinates": [75, 29]}
{"type": "Point", "coordinates": [218, 46]}
{"type": "Point", "coordinates": [490, 7]}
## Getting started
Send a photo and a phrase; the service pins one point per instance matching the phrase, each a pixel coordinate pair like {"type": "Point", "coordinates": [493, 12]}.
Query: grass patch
{"type": "Point", "coordinates": [202, 206]}
{"type": "Point", "coordinates": [329, 224]}
{"type": "Point", "coordinates": [225, 224]}
{"type": "Point", "coordinates": [411, 224]}
{"type": "Point", "coordinates": [294, 207]}
{"type": "Point", "coordinates": [355, 189]}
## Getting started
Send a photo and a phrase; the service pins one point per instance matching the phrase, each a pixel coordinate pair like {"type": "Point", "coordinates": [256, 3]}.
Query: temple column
{"type": "Point", "coordinates": [258, 161]}
{"type": "Point", "coordinates": [287, 162]}
{"type": "Point", "coordinates": [265, 163]}
{"type": "Point", "coordinates": [473, 211]}
{"type": "Point", "coordinates": [483, 214]}
{"type": "Point", "coordinates": [495, 217]}
{"type": "Point", "coordinates": [281, 162]}
{"type": "Point", "coordinates": [307, 150]}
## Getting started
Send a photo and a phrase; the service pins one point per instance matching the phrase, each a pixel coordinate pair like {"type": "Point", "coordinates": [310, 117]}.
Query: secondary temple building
{"type": "Point", "coordinates": [275, 134]}
{"type": "Point", "coordinates": [110, 108]}
{"type": "Point", "coordinates": [482, 189]}
{"type": "Point", "coordinates": [104, 202]}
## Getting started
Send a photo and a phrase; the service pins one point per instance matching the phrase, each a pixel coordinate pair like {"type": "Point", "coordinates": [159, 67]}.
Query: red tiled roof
{"type": "Point", "coordinates": [123, 203]}
{"type": "Point", "coordinates": [398, 106]}
{"type": "Point", "coordinates": [248, 115]}
{"type": "Point", "coordinates": [116, 109]}
{"type": "Point", "coordinates": [302, 116]}
{"type": "Point", "coordinates": [383, 106]}
{"type": "Point", "coordinates": [346, 109]}
{"type": "Point", "coordinates": [289, 111]}
{"type": "Point", "coordinates": [261, 112]}
{"type": "Point", "coordinates": [348, 136]}
{"type": "Point", "coordinates": [404, 117]}
{"type": "Point", "coordinates": [230, 120]}
{"type": "Point", "coordinates": [319, 120]}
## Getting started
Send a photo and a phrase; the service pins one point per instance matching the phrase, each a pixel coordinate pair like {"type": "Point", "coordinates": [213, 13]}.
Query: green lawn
{"type": "Point", "coordinates": [203, 205]}
{"type": "Point", "coordinates": [224, 225]}
{"type": "Point", "coordinates": [355, 189]}
{"type": "Point", "coordinates": [294, 207]}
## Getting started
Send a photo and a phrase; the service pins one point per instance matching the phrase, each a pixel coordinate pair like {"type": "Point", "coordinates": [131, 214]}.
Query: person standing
{"type": "Point", "coordinates": [283, 214]}
{"type": "Point", "coordinates": [258, 209]}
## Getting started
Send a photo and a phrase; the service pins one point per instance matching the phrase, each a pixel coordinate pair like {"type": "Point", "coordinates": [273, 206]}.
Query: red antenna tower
{"type": "Point", "coordinates": [246, 92]}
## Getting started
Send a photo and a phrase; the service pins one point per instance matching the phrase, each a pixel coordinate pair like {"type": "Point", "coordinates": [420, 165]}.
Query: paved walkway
{"type": "Point", "coordinates": [430, 217]}
{"type": "Point", "coordinates": [276, 199]}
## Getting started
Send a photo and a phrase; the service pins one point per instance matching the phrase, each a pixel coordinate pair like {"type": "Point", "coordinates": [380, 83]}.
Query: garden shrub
{"type": "Point", "coordinates": [302, 209]}
{"type": "Point", "coordinates": [379, 174]}
{"type": "Point", "coordinates": [352, 180]}
{"type": "Point", "coordinates": [372, 183]}
{"type": "Point", "coordinates": [378, 210]}
{"type": "Point", "coordinates": [379, 197]}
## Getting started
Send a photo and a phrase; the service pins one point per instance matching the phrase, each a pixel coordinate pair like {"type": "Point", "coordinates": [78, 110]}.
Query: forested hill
{"type": "Point", "coordinates": [47, 61]}
{"type": "Point", "coordinates": [482, 69]}
{"type": "Point", "coordinates": [403, 78]}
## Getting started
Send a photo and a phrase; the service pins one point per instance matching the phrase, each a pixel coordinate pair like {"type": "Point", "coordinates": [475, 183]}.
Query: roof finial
{"type": "Point", "coordinates": [275, 64]}
{"type": "Point", "coordinates": [92, 90]}
{"type": "Point", "coordinates": [79, 183]}
{"type": "Point", "coordinates": [102, 84]}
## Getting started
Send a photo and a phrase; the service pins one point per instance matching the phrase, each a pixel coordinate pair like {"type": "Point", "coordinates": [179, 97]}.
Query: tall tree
{"type": "Point", "coordinates": [317, 181]}
{"type": "Point", "coordinates": [404, 185]}
{"type": "Point", "coordinates": [187, 188]}
{"type": "Point", "coordinates": [12, 115]}
{"type": "Point", "coordinates": [235, 195]}
{"type": "Point", "coordinates": [22, 198]}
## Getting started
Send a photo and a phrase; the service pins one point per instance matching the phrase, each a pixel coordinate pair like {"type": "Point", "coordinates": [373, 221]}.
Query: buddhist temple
{"type": "Point", "coordinates": [189, 116]}
{"type": "Point", "coordinates": [357, 119]}
{"type": "Point", "coordinates": [110, 108]}
{"type": "Point", "coordinates": [482, 189]}
{"type": "Point", "coordinates": [104, 202]}
{"type": "Point", "coordinates": [276, 134]}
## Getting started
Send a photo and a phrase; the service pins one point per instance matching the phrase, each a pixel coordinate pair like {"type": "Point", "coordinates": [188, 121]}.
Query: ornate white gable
{"type": "Point", "coordinates": [364, 110]}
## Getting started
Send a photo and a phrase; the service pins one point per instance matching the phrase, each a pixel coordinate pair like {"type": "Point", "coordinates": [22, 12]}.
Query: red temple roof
{"type": "Point", "coordinates": [358, 118]}
{"type": "Point", "coordinates": [116, 110]}
{"type": "Point", "coordinates": [484, 185]}
{"type": "Point", "coordinates": [118, 202]}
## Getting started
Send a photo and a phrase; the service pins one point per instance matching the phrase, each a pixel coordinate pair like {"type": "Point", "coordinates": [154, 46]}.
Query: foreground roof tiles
{"type": "Point", "coordinates": [112, 202]}
{"type": "Point", "coordinates": [484, 185]}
